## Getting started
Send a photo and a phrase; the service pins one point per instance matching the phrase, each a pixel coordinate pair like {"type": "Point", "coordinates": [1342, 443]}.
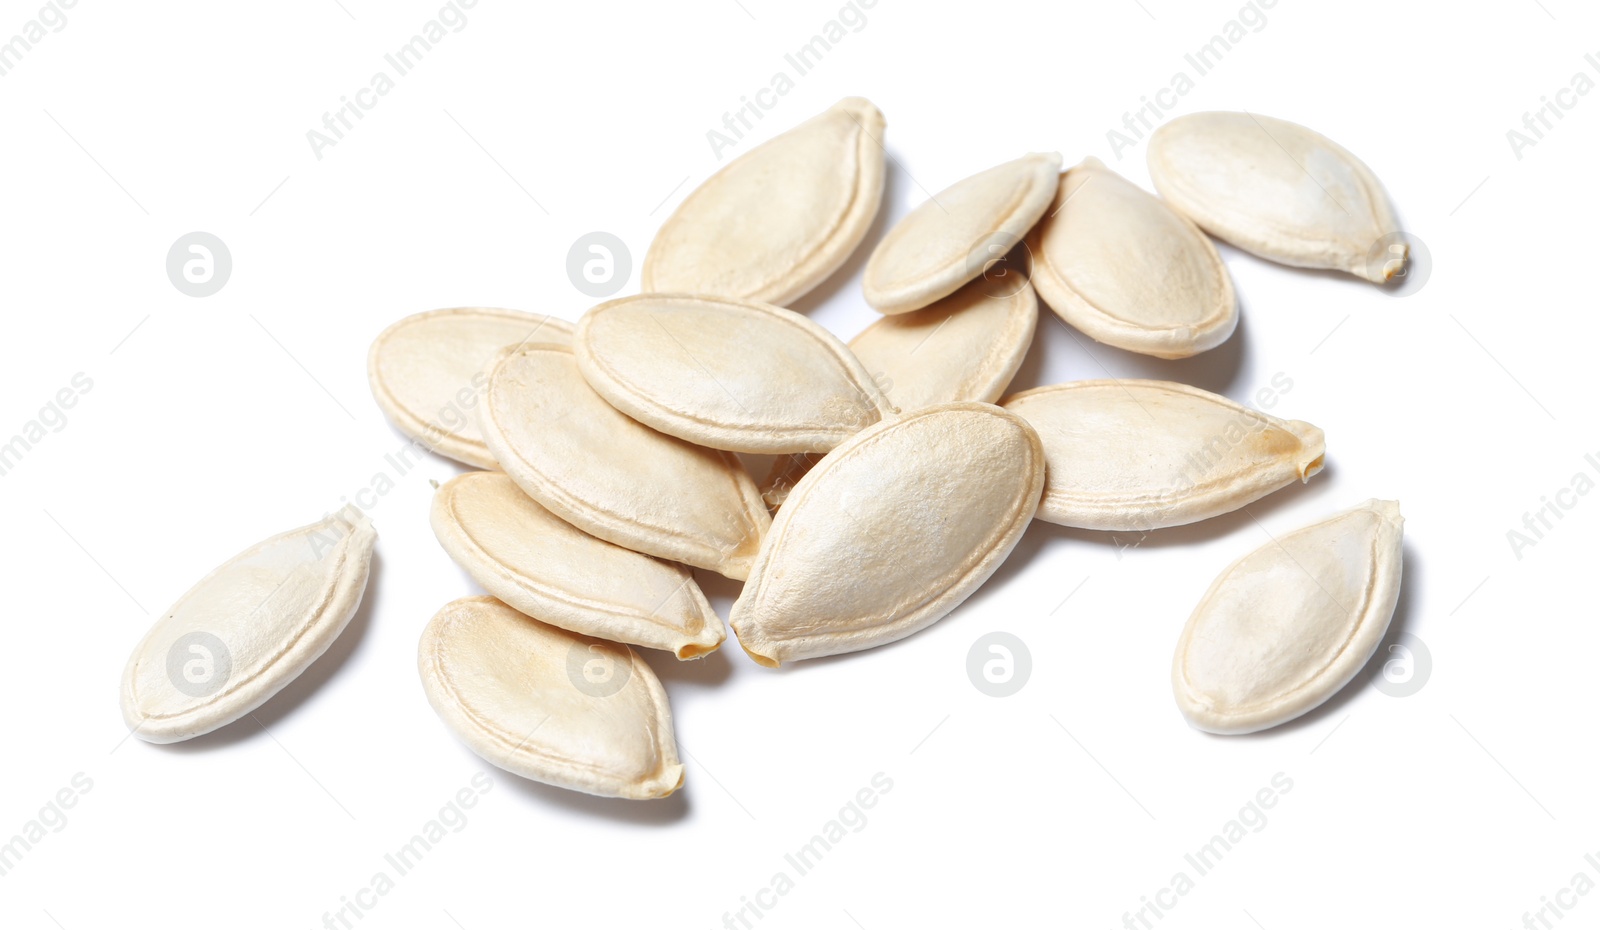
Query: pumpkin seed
{"type": "Point", "coordinates": [890, 532]}
{"type": "Point", "coordinates": [965, 347]}
{"type": "Point", "coordinates": [954, 236]}
{"type": "Point", "coordinates": [549, 705]}
{"type": "Point", "coordinates": [426, 372]}
{"type": "Point", "coordinates": [779, 219]}
{"type": "Point", "coordinates": [545, 567]}
{"type": "Point", "coordinates": [1139, 455]}
{"type": "Point", "coordinates": [1118, 264]}
{"type": "Point", "coordinates": [1277, 190]}
{"type": "Point", "coordinates": [247, 629]}
{"type": "Point", "coordinates": [610, 475]}
{"type": "Point", "coordinates": [1284, 628]}
{"type": "Point", "coordinates": [726, 374]}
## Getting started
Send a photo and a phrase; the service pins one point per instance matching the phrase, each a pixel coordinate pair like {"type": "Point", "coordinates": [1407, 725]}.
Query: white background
{"type": "Point", "coordinates": [215, 422]}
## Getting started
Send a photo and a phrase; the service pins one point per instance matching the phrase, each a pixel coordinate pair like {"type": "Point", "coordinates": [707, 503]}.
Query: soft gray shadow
{"type": "Point", "coordinates": [705, 672]}
{"type": "Point", "coordinates": [1403, 621]}
{"type": "Point", "coordinates": [893, 182]}
{"type": "Point", "coordinates": [295, 693]}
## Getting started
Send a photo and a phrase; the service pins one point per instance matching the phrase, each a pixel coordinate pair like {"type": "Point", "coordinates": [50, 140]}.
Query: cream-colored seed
{"type": "Point", "coordinates": [1124, 268]}
{"type": "Point", "coordinates": [547, 568]}
{"type": "Point", "coordinates": [726, 374]}
{"type": "Point", "coordinates": [610, 475]}
{"type": "Point", "coordinates": [890, 532]}
{"type": "Point", "coordinates": [953, 237]}
{"type": "Point", "coordinates": [426, 372]}
{"type": "Point", "coordinates": [1140, 455]}
{"type": "Point", "coordinates": [1278, 190]}
{"type": "Point", "coordinates": [549, 705]}
{"type": "Point", "coordinates": [1284, 628]}
{"type": "Point", "coordinates": [247, 629]}
{"type": "Point", "coordinates": [779, 219]}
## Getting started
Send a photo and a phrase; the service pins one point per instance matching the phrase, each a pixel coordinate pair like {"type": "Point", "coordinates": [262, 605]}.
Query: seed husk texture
{"type": "Point", "coordinates": [613, 477]}
{"type": "Point", "coordinates": [776, 221]}
{"type": "Point", "coordinates": [547, 704]}
{"type": "Point", "coordinates": [1135, 455]}
{"type": "Point", "coordinates": [955, 235]}
{"type": "Point", "coordinates": [1277, 190]}
{"type": "Point", "coordinates": [247, 629]}
{"type": "Point", "coordinates": [1284, 628]}
{"type": "Point", "coordinates": [890, 532]}
{"type": "Point", "coordinates": [1127, 270]}
{"type": "Point", "coordinates": [426, 372]}
{"type": "Point", "coordinates": [727, 374]}
{"type": "Point", "coordinates": [545, 567]}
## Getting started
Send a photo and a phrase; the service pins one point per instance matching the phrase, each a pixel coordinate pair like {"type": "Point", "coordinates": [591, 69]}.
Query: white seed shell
{"type": "Point", "coordinates": [547, 568]}
{"type": "Point", "coordinates": [426, 372]}
{"type": "Point", "coordinates": [1277, 190]}
{"type": "Point", "coordinates": [247, 629]}
{"type": "Point", "coordinates": [1121, 266]}
{"type": "Point", "coordinates": [538, 701]}
{"type": "Point", "coordinates": [610, 475]}
{"type": "Point", "coordinates": [951, 238]}
{"type": "Point", "coordinates": [890, 532]}
{"type": "Point", "coordinates": [779, 219]}
{"type": "Point", "coordinates": [965, 347]}
{"type": "Point", "coordinates": [726, 374]}
{"type": "Point", "coordinates": [1284, 628]}
{"type": "Point", "coordinates": [1139, 455]}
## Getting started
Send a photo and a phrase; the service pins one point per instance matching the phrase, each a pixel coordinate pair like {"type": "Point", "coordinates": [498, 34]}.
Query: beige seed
{"type": "Point", "coordinates": [545, 567]}
{"type": "Point", "coordinates": [727, 374]}
{"type": "Point", "coordinates": [890, 532]}
{"type": "Point", "coordinates": [1277, 190]}
{"type": "Point", "coordinates": [549, 705]}
{"type": "Point", "coordinates": [779, 219]}
{"type": "Point", "coordinates": [610, 475]}
{"type": "Point", "coordinates": [954, 236]}
{"type": "Point", "coordinates": [426, 372]}
{"type": "Point", "coordinates": [1284, 628]}
{"type": "Point", "coordinates": [1128, 271]}
{"type": "Point", "coordinates": [247, 629]}
{"type": "Point", "coordinates": [1139, 455]}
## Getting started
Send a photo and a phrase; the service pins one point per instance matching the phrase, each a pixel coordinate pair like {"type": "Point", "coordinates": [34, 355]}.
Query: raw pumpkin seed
{"type": "Point", "coordinates": [247, 629]}
{"type": "Point", "coordinates": [1278, 190]}
{"type": "Point", "coordinates": [965, 347]}
{"type": "Point", "coordinates": [1139, 455]}
{"type": "Point", "coordinates": [610, 475]}
{"type": "Point", "coordinates": [1122, 267]}
{"type": "Point", "coordinates": [779, 219]}
{"type": "Point", "coordinates": [890, 532]}
{"type": "Point", "coordinates": [726, 374]}
{"type": "Point", "coordinates": [426, 372]}
{"type": "Point", "coordinates": [549, 705]}
{"type": "Point", "coordinates": [1284, 628]}
{"type": "Point", "coordinates": [954, 237]}
{"type": "Point", "coordinates": [547, 568]}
